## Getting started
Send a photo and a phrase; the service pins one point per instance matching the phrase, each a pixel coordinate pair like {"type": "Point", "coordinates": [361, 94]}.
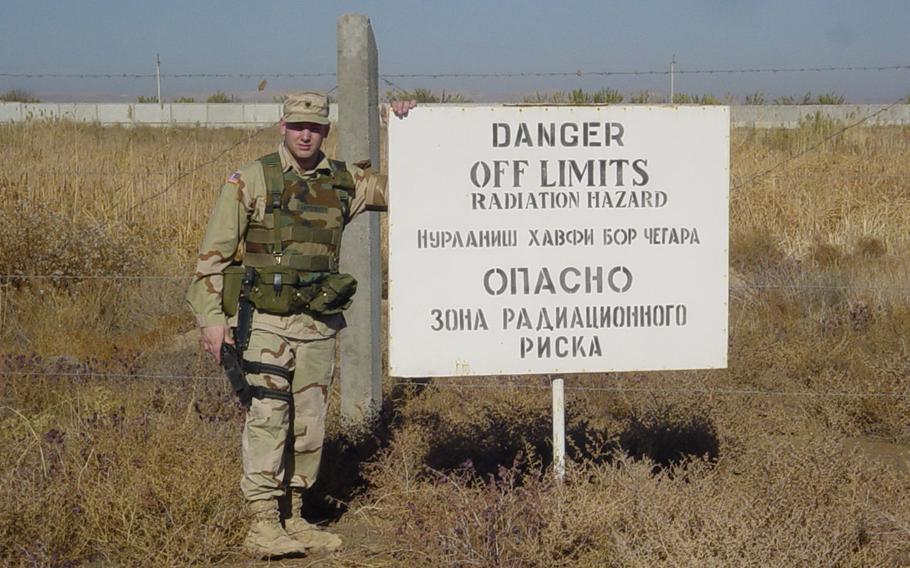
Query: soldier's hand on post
{"type": "Point", "coordinates": [212, 338]}
{"type": "Point", "coordinates": [401, 108]}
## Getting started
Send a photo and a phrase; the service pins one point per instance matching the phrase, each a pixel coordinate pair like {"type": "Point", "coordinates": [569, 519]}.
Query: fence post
{"type": "Point", "coordinates": [358, 128]}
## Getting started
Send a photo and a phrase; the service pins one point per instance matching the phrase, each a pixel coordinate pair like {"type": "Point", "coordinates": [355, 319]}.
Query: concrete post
{"type": "Point", "coordinates": [358, 129]}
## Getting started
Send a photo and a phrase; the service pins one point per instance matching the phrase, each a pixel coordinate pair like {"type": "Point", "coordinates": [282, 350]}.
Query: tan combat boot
{"type": "Point", "coordinates": [266, 538]}
{"type": "Point", "coordinates": [309, 535]}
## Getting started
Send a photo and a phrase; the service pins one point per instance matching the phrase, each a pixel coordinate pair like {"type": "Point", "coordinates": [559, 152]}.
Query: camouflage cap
{"type": "Point", "coordinates": [306, 106]}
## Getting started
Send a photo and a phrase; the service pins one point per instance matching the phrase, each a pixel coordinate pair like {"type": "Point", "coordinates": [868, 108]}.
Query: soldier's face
{"type": "Point", "coordinates": [303, 139]}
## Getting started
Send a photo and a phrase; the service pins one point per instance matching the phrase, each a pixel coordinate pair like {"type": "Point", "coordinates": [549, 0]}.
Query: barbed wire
{"type": "Point", "coordinates": [92, 277]}
{"type": "Point", "coordinates": [476, 75]}
{"type": "Point", "coordinates": [456, 383]}
{"type": "Point", "coordinates": [91, 173]}
{"type": "Point", "coordinates": [385, 79]}
{"type": "Point", "coordinates": [180, 177]}
{"type": "Point", "coordinates": [42, 119]}
{"type": "Point", "coordinates": [246, 140]}
{"type": "Point", "coordinates": [850, 176]}
{"type": "Point", "coordinates": [816, 287]}
{"type": "Point", "coordinates": [165, 75]}
{"type": "Point", "coordinates": [581, 73]}
{"type": "Point", "coordinates": [788, 160]}
{"type": "Point", "coordinates": [70, 173]}
{"type": "Point", "coordinates": [98, 375]}
{"type": "Point", "coordinates": [735, 186]}
{"type": "Point", "coordinates": [7, 278]}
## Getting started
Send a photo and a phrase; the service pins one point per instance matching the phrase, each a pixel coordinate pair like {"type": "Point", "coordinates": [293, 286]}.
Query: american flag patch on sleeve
{"type": "Point", "coordinates": [235, 178]}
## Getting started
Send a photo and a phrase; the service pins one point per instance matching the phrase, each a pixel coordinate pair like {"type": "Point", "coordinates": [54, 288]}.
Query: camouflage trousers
{"type": "Point", "coordinates": [270, 459]}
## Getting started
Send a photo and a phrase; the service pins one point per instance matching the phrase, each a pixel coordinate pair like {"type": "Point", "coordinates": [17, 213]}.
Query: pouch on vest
{"type": "Point", "coordinates": [334, 294]}
{"type": "Point", "coordinates": [230, 295]}
{"type": "Point", "coordinates": [275, 290]}
{"type": "Point", "coordinates": [280, 290]}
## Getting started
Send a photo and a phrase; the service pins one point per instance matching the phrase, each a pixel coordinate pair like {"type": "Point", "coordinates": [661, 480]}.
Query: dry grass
{"type": "Point", "coordinates": [720, 468]}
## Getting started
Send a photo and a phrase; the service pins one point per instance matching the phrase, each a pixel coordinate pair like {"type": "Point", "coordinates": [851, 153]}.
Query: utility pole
{"type": "Point", "coordinates": [158, 78]}
{"type": "Point", "coordinates": [672, 71]}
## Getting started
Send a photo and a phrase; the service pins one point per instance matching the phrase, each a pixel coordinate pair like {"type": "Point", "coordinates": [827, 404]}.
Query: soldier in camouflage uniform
{"type": "Point", "coordinates": [250, 225]}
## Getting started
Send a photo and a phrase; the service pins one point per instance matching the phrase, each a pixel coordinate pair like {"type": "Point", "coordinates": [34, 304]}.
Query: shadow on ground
{"type": "Point", "coordinates": [495, 443]}
{"type": "Point", "coordinates": [664, 440]}
{"type": "Point", "coordinates": [344, 457]}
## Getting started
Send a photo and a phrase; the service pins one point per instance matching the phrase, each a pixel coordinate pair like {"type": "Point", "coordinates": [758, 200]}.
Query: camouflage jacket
{"type": "Point", "coordinates": [242, 198]}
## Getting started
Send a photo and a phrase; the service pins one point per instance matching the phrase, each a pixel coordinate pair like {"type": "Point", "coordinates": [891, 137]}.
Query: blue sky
{"type": "Point", "coordinates": [283, 36]}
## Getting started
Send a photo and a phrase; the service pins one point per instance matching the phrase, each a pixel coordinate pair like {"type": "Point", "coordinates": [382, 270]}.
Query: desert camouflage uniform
{"type": "Point", "coordinates": [297, 342]}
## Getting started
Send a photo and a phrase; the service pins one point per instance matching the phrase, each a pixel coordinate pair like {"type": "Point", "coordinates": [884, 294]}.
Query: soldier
{"type": "Point", "coordinates": [276, 227]}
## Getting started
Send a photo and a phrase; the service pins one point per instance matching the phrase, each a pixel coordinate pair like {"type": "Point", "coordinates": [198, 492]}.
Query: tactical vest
{"type": "Point", "coordinates": [303, 220]}
{"type": "Point", "coordinates": [290, 263]}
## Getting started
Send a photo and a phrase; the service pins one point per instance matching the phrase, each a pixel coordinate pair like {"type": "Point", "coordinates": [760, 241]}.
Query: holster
{"type": "Point", "coordinates": [235, 368]}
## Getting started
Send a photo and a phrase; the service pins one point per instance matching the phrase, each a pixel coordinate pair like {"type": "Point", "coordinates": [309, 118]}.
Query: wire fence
{"type": "Point", "coordinates": [475, 75]}
{"type": "Point", "coordinates": [679, 71]}
{"type": "Point", "coordinates": [816, 146]}
{"type": "Point", "coordinates": [458, 384]}
{"type": "Point", "coordinates": [10, 278]}
{"type": "Point", "coordinates": [218, 156]}
{"type": "Point", "coordinates": [770, 172]}
{"type": "Point", "coordinates": [470, 77]}
{"type": "Point", "coordinates": [55, 369]}
{"type": "Point", "coordinates": [43, 75]}
{"type": "Point", "coordinates": [112, 173]}
{"type": "Point", "coordinates": [749, 178]}
{"type": "Point", "coordinates": [533, 382]}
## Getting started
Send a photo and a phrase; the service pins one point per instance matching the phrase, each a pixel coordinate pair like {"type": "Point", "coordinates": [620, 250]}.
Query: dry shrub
{"type": "Point", "coordinates": [870, 247]}
{"type": "Point", "coordinates": [778, 504]}
{"type": "Point", "coordinates": [754, 250]}
{"type": "Point", "coordinates": [37, 240]}
{"type": "Point", "coordinates": [116, 474]}
{"type": "Point", "coordinates": [479, 434]}
{"type": "Point", "coordinates": [754, 464]}
{"type": "Point", "coordinates": [94, 318]}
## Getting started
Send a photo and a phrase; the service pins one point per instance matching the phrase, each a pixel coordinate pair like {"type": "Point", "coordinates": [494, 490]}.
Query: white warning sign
{"type": "Point", "coordinates": [558, 239]}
